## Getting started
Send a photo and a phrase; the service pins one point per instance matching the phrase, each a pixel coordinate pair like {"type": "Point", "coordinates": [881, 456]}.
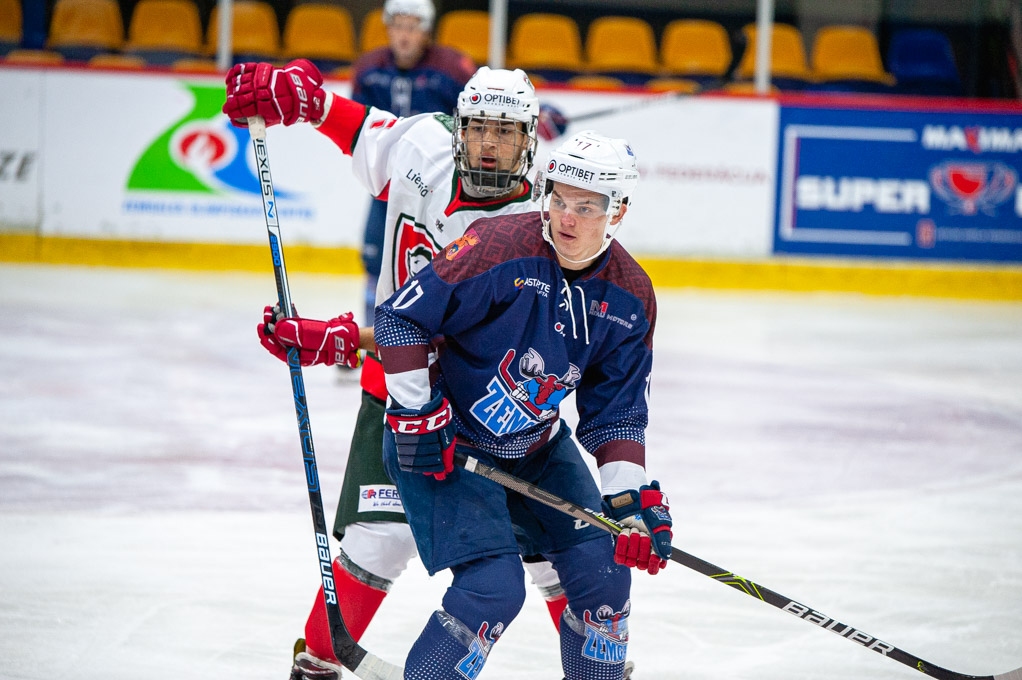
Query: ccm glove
{"type": "Point", "coordinates": [646, 541]}
{"type": "Point", "coordinates": [551, 123]}
{"type": "Point", "coordinates": [424, 437]}
{"type": "Point", "coordinates": [293, 94]}
{"type": "Point", "coordinates": [318, 342]}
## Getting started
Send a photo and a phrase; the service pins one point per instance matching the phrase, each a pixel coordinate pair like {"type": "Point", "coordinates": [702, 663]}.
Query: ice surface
{"type": "Point", "coordinates": [860, 455]}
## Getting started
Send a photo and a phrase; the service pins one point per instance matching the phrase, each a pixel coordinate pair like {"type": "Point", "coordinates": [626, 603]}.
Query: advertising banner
{"type": "Point", "coordinates": [923, 184]}
{"type": "Point", "coordinates": [20, 149]}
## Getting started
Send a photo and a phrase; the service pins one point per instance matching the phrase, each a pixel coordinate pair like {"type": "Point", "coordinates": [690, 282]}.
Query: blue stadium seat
{"type": "Point", "coordinates": [923, 62]}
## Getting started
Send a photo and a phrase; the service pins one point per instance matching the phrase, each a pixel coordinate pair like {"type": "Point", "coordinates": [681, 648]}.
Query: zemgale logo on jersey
{"type": "Point", "coordinates": [511, 405]}
{"type": "Point", "coordinates": [201, 155]}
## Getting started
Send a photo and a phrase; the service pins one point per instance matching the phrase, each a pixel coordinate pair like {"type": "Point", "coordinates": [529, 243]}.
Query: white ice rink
{"type": "Point", "coordinates": [860, 455]}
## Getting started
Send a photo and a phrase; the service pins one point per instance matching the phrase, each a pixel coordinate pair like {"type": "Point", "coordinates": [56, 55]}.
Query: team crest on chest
{"type": "Point", "coordinates": [511, 405]}
{"type": "Point", "coordinates": [414, 249]}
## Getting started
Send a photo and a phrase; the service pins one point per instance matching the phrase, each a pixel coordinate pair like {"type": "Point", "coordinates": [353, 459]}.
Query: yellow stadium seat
{"type": "Point", "coordinates": [549, 45]}
{"type": "Point", "coordinates": [322, 33]}
{"type": "Point", "coordinates": [118, 61]}
{"type": "Point", "coordinates": [255, 30]}
{"type": "Point", "coordinates": [34, 57]}
{"type": "Point", "coordinates": [788, 65]}
{"type": "Point", "coordinates": [596, 82]}
{"type": "Point", "coordinates": [848, 53]}
{"type": "Point", "coordinates": [694, 47]}
{"type": "Point", "coordinates": [467, 30]}
{"type": "Point", "coordinates": [81, 29]}
{"type": "Point", "coordinates": [680, 85]}
{"type": "Point", "coordinates": [624, 47]}
{"type": "Point", "coordinates": [162, 31]}
{"type": "Point", "coordinates": [194, 65]}
{"type": "Point", "coordinates": [373, 32]}
{"type": "Point", "coordinates": [10, 24]}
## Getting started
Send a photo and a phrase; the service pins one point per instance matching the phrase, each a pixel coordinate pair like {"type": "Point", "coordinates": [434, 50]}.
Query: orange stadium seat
{"type": "Point", "coordinates": [34, 57]}
{"type": "Point", "coordinates": [323, 33]}
{"type": "Point", "coordinates": [547, 45]}
{"type": "Point", "coordinates": [696, 49]}
{"type": "Point", "coordinates": [467, 30]}
{"type": "Point", "coordinates": [193, 65]}
{"type": "Point", "coordinates": [789, 69]}
{"type": "Point", "coordinates": [81, 29]}
{"type": "Point", "coordinates": [623, 47]}
{"type": "Point", "coordinates": [117, 61]}
{"type": "Point", "coordinates": [596, 82]}
{"type": "Point", "coordinates": [848, 53]}
{"type": "Point", "coordinates": [10, 25]}
{"type": "Point", "coordinates": [679, 85]}
{"type": "Point", "coordinates": [255, 33]}
{"type": "Point", "coordinates": [373, 32]}
{"type": "Point", "coordinates": [162, 31]}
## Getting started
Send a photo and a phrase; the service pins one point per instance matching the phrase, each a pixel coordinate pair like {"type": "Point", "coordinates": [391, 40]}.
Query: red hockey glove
{"type": "Point", "coordinates": [646, 542]}
{"type": "Point", "coordinates": [318, 342]}
{"type": "Point", "coordinates": [293, 94]}
{"type": "Point", "coordinates": [551, 123]}
{"type": "Point", "coordinates": [424, 437]}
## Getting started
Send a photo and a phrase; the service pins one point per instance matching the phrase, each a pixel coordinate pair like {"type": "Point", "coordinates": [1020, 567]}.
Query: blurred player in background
{"type": "Point", "coordinates": [433, 194]}
{"type": "Point", "coordinates": [531, 307]}
{"type": "Point", "coordinates": [407, 77]}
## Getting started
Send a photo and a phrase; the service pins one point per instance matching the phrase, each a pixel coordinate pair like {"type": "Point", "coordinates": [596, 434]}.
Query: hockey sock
{"type": "Point", "coordinates": [594, 647]}
{"type": "Point", "coordinates": [358, 603]}
{"type": "Point", "coordinates": [556, 605]}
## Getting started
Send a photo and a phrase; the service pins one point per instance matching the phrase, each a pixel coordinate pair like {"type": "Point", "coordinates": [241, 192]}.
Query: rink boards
{"type": "Point", "coordinates": [906, 196]}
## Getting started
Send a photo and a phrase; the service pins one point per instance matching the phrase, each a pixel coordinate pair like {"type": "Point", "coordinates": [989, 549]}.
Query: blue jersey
{"type": "Point", "coordinates": [430, 86]}
{"type": "Point", "coordinates": [516, 338]}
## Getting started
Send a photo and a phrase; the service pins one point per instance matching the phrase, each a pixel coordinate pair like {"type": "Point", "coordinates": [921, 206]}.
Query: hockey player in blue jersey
{"type": "Point", "coordinates": [479, 349]}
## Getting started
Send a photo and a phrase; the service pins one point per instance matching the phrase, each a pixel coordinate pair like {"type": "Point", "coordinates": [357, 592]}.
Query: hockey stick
{"type": "Point", "coordinates": [632, 106]}
{"type": "Point", "coordinates": [746, 586]}
{"type": "Point", "coordinates": [351, 655]}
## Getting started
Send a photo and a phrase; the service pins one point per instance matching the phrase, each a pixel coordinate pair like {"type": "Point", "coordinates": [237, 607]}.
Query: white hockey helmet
{"type": "Point", "coordinates": [496, 95]}
{"type": "Point", "coordinates": [423, 9]}
{"type": "Point", "coordinates": [591, 161]}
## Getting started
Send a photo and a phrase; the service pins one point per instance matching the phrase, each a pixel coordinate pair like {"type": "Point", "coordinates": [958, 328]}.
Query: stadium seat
{"type": "Point", "coordinates": [467, 30]}
{"type": "Point", "coordinates": [596, 82]}
{"type": "Point", "coordinates": [622, 47]}
{"type": "Point", "coordinates": [325, 34]}
{"type": "Point", "coordinates": [696, 49]}
{"type": "Point", "coordinates": [373, 32]}
{"type": "Point", "coordinates": [10, 25]}
{"type": "Point", "coordinates": [789, 69]}
{"type": "Point", "coordinates": [547, 45]}
{"type": "Point", "coordinates": [194, 65]}
{"type": "Point", "coordinates": [117, 61]}
{"type": "Point", "coordinates": [922, 61]}
{"type": "Point", "coordinates": [680, 85]}
{"type": "Point", "coordinates": [847, 58]}
{"type": "Point", "coordinates": [81, 29]}
{"type": "Point", "coordinates": [163, 31]}
{"type": "Point", "coordinates": [256, 35]}
{"type": "Point", "coordinates": [34, 57]}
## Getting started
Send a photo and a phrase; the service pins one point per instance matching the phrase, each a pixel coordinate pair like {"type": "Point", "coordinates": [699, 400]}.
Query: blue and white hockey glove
{"type": "Point", "coordinates": [646, 541]}
{"type": "Point", "coordinates": [424, 437]}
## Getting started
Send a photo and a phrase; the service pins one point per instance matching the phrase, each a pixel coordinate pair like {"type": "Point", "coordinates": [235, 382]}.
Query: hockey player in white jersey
{"type": "Point", "coordinates": [439, 173]}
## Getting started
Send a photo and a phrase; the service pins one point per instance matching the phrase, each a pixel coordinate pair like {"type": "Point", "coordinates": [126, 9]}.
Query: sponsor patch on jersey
{"type": "Point", "coordinates": [379, 498]}
{"type": "Point", "coordinates": [461, 244]}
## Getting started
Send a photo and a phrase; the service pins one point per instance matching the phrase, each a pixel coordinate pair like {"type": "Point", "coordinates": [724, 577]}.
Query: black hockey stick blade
{"type": "Point", "coordinates": [744, 585]}
{"type": "Point", "coordinates": [349, 653]}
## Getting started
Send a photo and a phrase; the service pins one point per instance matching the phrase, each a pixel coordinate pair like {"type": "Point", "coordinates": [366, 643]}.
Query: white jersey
{"type": "Point", "coordinates": [426, 206]}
